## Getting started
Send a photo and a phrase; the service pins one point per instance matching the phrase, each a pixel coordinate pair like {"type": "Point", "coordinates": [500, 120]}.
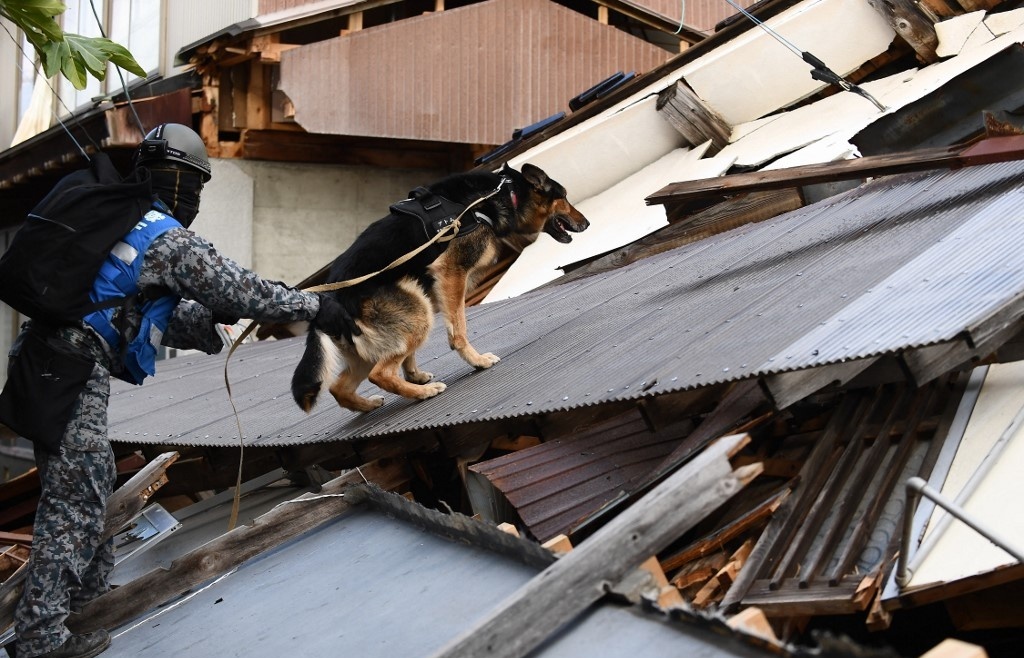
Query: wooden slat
{"type": "Point", "coordinates": [720, 537]}
{"type": "Point", "coordinates": [997, 149]}
{"type": "Point", "coordinates": [786, 520]}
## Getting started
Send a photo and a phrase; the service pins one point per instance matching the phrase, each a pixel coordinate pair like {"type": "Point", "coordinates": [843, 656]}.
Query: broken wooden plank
{"type": "Point", "coordinates": [999, 149]}
{"type": "Point", "coordinates": [569, 586]}
{"type": "Point", "coordinates": [232, 549]}
{"type": "Point", "coordinates": [720, 537]}
{"type": "Point", "coordinates": [122, 505]}
{"type": "Point", "coordinates": [953, 648]}
{"type": "Point", "coordinates": [717, 586]}
{"type": "Point", "coordinates": [700, 570]}
{"type": "Point", "coordinates": [691, 116]}
{"type": "Point", "coordinates": [753, 621]}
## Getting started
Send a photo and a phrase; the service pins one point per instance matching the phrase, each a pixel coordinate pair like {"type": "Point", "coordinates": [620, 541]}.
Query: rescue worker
{"type": "Point", "coordinates": [187, 288]}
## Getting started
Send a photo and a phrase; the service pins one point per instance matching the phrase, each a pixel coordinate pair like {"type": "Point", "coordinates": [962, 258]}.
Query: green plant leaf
{"type": "Point", "coordinates": [73, 55]}
{"type": "Point", "coordinates": [94, 52]}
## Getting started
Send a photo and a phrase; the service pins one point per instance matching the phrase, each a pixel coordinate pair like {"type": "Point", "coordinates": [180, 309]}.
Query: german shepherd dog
{"type": "Point", "coordinates": [395, 309]}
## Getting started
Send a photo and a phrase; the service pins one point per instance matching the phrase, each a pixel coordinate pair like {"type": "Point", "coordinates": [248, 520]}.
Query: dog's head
{"type": "Point", "coordinates": [549, 210]}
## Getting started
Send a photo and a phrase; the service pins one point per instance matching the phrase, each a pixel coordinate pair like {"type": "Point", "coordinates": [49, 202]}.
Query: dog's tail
{"type": "Point", "coordinates": [317, 366]}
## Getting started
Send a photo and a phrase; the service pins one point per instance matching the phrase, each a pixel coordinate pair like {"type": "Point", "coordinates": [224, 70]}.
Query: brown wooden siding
{"type": "Point", "coordinates": [701, 15]}
{"type": "Point", "coordinates": [468, 75]}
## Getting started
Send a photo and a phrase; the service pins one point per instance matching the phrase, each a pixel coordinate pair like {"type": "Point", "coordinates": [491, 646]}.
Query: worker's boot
{"type": "Point", "coordinates": [86, 645]}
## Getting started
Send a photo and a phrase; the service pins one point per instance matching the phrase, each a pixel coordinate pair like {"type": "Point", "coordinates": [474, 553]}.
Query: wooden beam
{"type": "Point", "coordinates": [577, 580]}
{"type": "Point", "coordinates": [230, 550]}
{"type": "Point", "coordinates": [257, 102]}
{"type": "Point", "coordinates": [690, 226]}
{"type": "Point", "coordinates": [787, 388]}
{"type": "Point", "coordinates": [691, 116]}
{"type": "Point", "coordinates": [911, 25]}
{"type": "Point", "coordinates": [996, 149]}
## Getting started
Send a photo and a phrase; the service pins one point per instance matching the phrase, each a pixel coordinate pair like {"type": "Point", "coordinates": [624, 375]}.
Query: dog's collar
{"type": "Point", "coordinates": [505, 180]}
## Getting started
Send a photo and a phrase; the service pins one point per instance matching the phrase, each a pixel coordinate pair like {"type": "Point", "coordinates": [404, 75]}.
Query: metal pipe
{"type": "Point", "coordinates": [938, 527]}
{"type": "Point", "coordinates": [918, 487]}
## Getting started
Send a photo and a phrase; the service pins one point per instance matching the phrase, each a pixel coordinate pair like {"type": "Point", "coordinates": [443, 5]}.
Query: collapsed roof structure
{"type": "Point", "coordinates": [796, 303]}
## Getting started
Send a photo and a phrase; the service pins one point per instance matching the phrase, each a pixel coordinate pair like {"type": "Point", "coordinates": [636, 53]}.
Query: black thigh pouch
{"type": "Point", "coordinates": [43, 385]}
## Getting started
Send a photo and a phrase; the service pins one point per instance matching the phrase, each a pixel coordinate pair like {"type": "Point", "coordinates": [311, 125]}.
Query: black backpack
{"type": "Point", "coordinates": [49, 269]}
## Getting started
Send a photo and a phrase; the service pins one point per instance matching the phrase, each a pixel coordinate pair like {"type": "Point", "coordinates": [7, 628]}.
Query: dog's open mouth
{"type": "Point", "coordinates": [559, 227]}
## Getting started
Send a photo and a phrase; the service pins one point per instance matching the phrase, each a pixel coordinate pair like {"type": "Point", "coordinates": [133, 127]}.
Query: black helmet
{"type": "Point", "coordinates": [175, 143]}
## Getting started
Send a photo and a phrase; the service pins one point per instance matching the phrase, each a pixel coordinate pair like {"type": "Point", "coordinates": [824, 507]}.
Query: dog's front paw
{"type": "Point", "coordinates": [431, 389]}
{"type": "Point", "coordinates": [486, 361]}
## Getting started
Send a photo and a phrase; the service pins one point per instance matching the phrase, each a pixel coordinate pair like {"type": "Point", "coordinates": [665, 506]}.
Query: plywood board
{"type": "Point", "coordinates": [755, 74]}
{"type": "Point", "coordinates": [954, 32]}
{"type": "Point", "coordinates": [840, 116]}
{"type": "Point", "coordinates": [1003, 22]}
{"type": "Point", "coordinates": [961, 552]}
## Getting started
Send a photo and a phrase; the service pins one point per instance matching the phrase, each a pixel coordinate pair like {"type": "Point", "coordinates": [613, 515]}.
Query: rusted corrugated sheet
{"type": "Point", "coordinates": [468, 75]}
{"type": "Point", "coordinates": [557, 484]}
{"type": "Point", "coordinates": [892, 266]}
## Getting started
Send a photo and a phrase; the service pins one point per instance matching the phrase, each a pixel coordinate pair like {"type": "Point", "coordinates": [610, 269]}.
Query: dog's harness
{"type": "Point", "coordinates": [436, 213]}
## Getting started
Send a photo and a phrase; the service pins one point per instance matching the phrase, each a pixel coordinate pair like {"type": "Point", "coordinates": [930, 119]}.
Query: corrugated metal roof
{"type": "Point", "coordinates": [477, 73]}
{"type": "Point", "coordinates": [893, 265]}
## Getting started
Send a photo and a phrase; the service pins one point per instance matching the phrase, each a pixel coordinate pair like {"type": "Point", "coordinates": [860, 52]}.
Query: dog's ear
{"type": "Point", "coordinates": [535, 176]}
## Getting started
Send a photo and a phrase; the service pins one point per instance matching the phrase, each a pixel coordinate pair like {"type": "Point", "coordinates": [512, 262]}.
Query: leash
{"type": "Point", "coordinates": [441, 236]}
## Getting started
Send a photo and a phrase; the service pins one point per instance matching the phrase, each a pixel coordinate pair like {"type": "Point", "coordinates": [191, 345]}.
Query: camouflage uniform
{"type": "Point", "coordinates": [70, 564]}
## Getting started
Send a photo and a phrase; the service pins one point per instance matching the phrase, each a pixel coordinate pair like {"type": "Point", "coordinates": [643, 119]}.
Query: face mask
{"type": "Point", "coordinates": [180, 190]}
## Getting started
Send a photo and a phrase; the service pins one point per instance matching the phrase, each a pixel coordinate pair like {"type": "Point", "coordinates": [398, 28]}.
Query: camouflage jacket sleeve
{"type": "Point", "coordinates": [185, 264]}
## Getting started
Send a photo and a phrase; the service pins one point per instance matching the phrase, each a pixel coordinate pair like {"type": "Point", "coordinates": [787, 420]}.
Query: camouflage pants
{"type": "Point", "coordinates": [69, 563]}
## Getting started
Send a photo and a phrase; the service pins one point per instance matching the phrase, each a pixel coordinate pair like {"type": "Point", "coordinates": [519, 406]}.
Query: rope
{"type": "Point", "coordinates": [441, 236]}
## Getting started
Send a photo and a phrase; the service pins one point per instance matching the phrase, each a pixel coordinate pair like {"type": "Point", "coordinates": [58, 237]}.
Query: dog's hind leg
{"type": "Point", "coordinates": [413, 372]}
{"type": "Point", "coordinates": [385, 374]}
{"type": "Point", "coordinates": [344, 387]}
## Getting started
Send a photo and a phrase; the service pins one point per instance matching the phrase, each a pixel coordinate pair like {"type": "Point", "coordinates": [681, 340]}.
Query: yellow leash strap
{"type": "Point", "coordinates": [442, 236]}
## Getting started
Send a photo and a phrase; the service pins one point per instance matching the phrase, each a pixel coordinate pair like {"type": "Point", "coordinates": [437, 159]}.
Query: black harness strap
{"type": "Point", "coordinates": [435, 212]}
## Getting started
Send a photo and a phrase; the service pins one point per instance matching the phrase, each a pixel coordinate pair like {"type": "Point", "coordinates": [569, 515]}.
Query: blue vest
{"type": "Point", "coordinates": [119, 277]}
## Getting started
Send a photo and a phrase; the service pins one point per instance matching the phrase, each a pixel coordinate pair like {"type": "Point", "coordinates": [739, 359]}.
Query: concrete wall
{"type": "Point", "coordinates": [286, 221]}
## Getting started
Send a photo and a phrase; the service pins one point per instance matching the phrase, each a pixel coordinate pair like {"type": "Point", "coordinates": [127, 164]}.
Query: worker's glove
{"type": "Point", "coordinates": [334, 319]}
{"type": "Point", "coordinates": [225, 318]}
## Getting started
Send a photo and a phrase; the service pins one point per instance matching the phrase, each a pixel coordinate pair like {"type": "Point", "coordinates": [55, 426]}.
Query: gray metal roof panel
{"type": "Point", "coordinates": [370, 585]}
{"type": "Point", "coordinates": [895, 264]}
